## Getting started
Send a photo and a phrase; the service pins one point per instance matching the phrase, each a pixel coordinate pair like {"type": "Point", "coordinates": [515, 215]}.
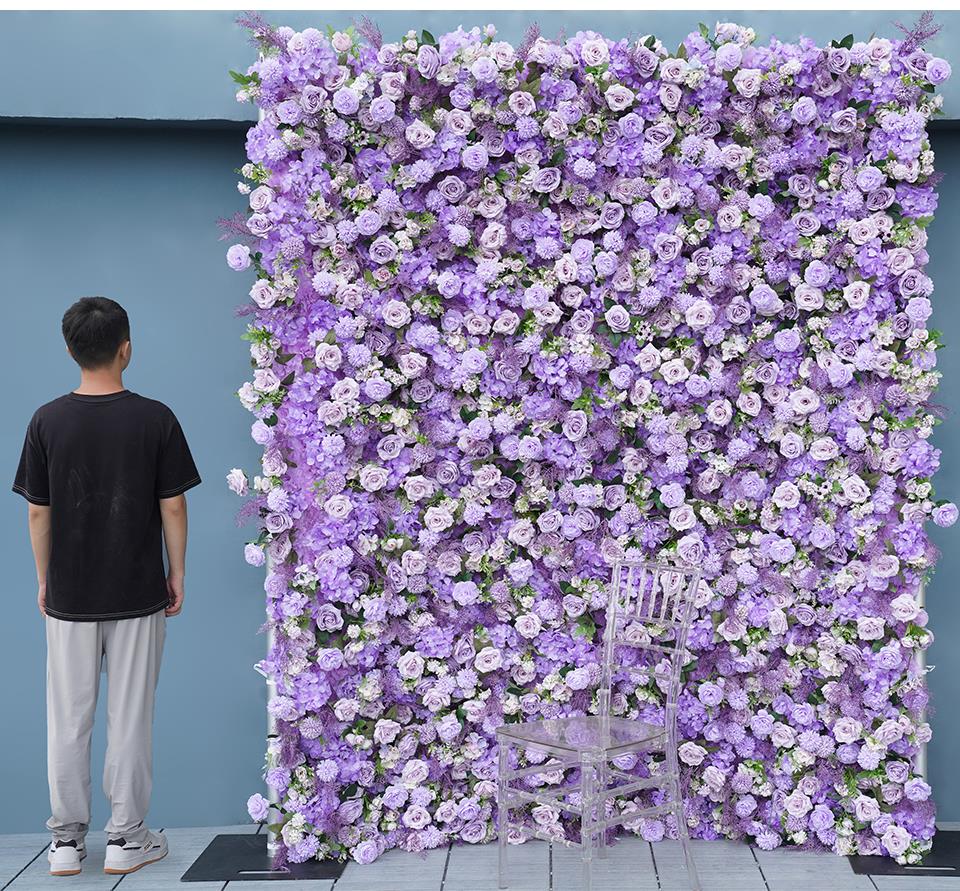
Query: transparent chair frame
{"type": "Point", "coordinates": [650, 609]}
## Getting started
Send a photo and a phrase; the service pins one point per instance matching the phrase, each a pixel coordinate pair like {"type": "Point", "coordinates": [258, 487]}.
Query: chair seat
{"type": "Point", "coordinates": [584, 733]}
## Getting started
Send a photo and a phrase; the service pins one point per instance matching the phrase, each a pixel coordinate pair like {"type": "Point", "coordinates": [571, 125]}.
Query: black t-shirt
{"type": "Point", "coordinates": [102, 463]}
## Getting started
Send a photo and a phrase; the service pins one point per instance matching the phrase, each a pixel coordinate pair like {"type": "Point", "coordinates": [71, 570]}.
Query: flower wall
{"type": "Point", "coordinates": [518, 310]}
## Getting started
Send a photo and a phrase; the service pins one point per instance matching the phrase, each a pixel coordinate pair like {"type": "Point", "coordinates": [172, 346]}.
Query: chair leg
{"type": "Point", "coordinates": [602, 811]}
{"type": "Point", "coordinates": [692, 877]}
{"type": "Point", "coordinates": [503, 814]}
{"type": "Point", "coordinates": [587, 802]}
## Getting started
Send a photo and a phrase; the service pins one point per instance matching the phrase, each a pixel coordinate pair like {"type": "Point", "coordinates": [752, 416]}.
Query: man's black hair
{"type": "Point", "coordinates": [94, 328]}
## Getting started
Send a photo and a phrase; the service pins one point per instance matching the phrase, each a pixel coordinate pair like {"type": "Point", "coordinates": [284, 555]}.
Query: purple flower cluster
{"type": "Point", "coordinates": [520, 311]}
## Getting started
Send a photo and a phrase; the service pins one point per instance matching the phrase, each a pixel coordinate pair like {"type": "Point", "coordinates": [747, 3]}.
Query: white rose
{"type": "Point", "coordinates": [594, 52]}
{"type": "Point", "coordinates": [410, 666]}
{"type": "Point", "coordinates": [328, 356]}
{"type": "Point", "coordinates": [683, 518]}
{"type": "Point", "coordinates": [338, 506]}
{"type": "Point", "coordinates": [488, 659]}
{"type": "Point", "coordinates": [373, 478]}
{"type": "Point", "coordinates": [904, 608]}
{"type": "Point", "coordinates": [700, 314]}
{"type": "Point", "coordinates": [856, 294]}
{"type": "Point", "coordinates": [674, 371]}
{"type": "Point", "coordinates": [396, 314]}
{"type": "Point", "coordinates": [528, 625]}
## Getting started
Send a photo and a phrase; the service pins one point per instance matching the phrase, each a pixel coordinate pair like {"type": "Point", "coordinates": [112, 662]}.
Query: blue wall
{"type": "Point", "coordinates": [130, 211]}
{"type": "Point", "coordinates": [942, 602]}
{"type": "Point", "coordinates": [171, 65]}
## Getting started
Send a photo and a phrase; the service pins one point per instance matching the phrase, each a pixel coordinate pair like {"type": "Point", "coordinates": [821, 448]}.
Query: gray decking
{"type": "Point", "coordinates": [631, 865]}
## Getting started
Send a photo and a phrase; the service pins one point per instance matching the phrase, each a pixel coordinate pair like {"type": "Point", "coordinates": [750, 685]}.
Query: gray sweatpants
{"type": "Point", "coordinates": [76, 652]}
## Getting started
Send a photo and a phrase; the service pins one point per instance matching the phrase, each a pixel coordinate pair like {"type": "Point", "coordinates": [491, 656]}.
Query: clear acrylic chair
{"type": "Point", "coordinates": [649, 610]}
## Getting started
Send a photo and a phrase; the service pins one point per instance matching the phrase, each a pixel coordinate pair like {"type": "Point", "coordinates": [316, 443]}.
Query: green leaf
{"type": "Point", "coordinates": [531, 86]}
{"type": "Point", "coordinates": [245, 79]}
{"type": "Point", "coordinates": [847, 42]}
{"type": "Point", "coordinates": [585, 627]}
{"type": "Point", "coordinates": [428, 38]}
{"type": "Point", "coordinates": [704, 31]}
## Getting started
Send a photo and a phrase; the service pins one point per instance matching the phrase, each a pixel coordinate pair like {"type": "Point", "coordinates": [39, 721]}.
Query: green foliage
{"type": "Point", "coordinates": [585, 627]}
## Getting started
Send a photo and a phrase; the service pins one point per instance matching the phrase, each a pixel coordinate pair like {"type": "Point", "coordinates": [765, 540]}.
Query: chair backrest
{"type": "Point", "coordinates": [650, 608]}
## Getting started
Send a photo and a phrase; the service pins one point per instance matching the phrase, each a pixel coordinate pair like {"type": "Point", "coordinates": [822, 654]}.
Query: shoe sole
{"type": "Point", "coordinates": [116, 871]}
{"type": "Point", "coordinates": [68, 872]}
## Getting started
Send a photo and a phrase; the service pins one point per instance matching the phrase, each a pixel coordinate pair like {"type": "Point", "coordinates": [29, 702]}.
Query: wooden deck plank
{"type": "Point", "coordinates": [186, 844]}
{"type": "Point", "coordinates": [630, 864]}
{"type": "Point", "coordinates": [17, 851]}
{"type": "Point", "coordinates": [36, 877]}
{"type": "Point", "coordinates": [396, 870]}
{"type": "Point", "coordinates": [722, 866]}
{"type": "Point", "coordinates": [475, 867]}
{"type": "Point", "coordinates": [789, 868]}
{"type": "Point", "coordinates": [916, 883]}
{"type": "Point", "coordinates": [627, 864]}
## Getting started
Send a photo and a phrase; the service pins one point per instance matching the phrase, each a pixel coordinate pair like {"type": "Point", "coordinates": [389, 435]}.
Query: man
{"type": "Point", "coordinates": [104, 471]}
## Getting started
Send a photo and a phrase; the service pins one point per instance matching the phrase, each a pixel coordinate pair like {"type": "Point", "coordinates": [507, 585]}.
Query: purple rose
{"type": "Point", "coordinates": [254, 555]}
{"type": "Point", "coordinates": [258, 807]}
{"type": "Point", "coordinates": [383, 109]}
{"type": "Point", "coordinates": [346, 101]}
{"type": "Point", "coordinates": [474, 157]}
{"type": "Point", "coordinates": [383, 250]}
{"type": "Point", "coordinates": [428, 61]}
{"type": "Point", "coordinates": [366, 852]}
{"type": "Point", "coordinates": [938, 70]}
{"type": "Point", "coordinates": [945, 514]}
{"type": "Point", "coordinates": [546, 179]}
{"type": "Point", "coordinates": [728, 56]}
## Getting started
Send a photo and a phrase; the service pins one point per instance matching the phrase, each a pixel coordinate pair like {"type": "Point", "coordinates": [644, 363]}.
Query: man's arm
{"type": "Point", "coordinates": [38, 519]}
{"type": "Point", "coordinates": [173, 513]}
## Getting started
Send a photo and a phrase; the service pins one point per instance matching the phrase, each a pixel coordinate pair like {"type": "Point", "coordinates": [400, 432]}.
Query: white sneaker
{"type": "Point", "coordinates": [123, 856]}
{"type": "Point", "coordinates": [64, 857]}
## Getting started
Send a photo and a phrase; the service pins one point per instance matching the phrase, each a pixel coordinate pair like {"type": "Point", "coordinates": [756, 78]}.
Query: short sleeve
{"type": "Point", "coordinates": [176, 471]}
{"type": "Point", "coordinates": [32, 480]}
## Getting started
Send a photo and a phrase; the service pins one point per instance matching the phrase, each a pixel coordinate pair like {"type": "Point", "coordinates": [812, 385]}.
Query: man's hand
{"type": "Point", "coordinates": [175, 590]}
{"type": "Point", "coordinates": [42, 599]}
